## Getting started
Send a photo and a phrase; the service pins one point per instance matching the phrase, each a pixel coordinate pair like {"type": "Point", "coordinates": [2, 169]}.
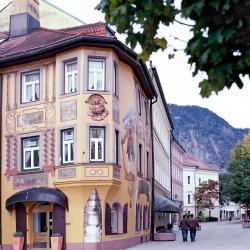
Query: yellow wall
{"type": "Point", "coordinates": [79, 188]}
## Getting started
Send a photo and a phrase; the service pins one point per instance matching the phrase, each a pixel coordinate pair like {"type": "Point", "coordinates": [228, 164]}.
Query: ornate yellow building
{"type": "Point", "coordinates": [76, 136]}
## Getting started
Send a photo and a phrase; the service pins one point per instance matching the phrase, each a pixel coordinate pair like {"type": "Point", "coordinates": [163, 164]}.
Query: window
{"type": "Point", "coordinates": [116, 147]}
{"type": "Point", "coordinates": [189, 198]}
{"type": "Point", "coordinates": [30, 86]}
{"type": "Point", "coordinates": [146, 112]}
{"type": "Point", "coordinates": [188, 179]}
{"type": "Point", "coordinates": [114, 219]}
{"type": "Point", "coordinates": [70, 77]}
{"type": "Point", "coordinates": [140, 159]}
{"type": "Point", "coordinates": [116, 87]}
{"type": "Point", "coordinates": [139, 101]}
{"type": "Point", "coordinates": [147, 164]}
{"type": "Point", "coordinates": [30, 154]}
{"type": "Point", "coordinates": [67, 138]}
{"type": "Point", "coordinates": [96, 74]}
{"type": "Point", "coordinates": [96, 144]}
{"type": "Point", "coordinates": [199, 181]}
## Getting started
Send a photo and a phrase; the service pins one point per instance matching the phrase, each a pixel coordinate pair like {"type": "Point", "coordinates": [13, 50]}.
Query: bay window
{"type": "Point", "coordinates": [67, 138]}
{"type": "Point", "coordinates": [96, 74]}
{"type": "Point", "coordinates": [97, 143]}
{"type": "Point", "coordinates": [70, 84]}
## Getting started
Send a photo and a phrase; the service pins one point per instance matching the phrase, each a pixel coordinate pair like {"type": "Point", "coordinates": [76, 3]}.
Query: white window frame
{"type": "Point", "coordinates": [33, 85]}
{"type": "Point", "coordinates": [30, 149]}
{"type": "Point", "coordinates": [74, 75]}
{"type": "Point", "coordinates": [96, 141]}
{"type": "Point", "coordinates": [92, 59]}
{"type": "Point", "coordinates": [68, 143]}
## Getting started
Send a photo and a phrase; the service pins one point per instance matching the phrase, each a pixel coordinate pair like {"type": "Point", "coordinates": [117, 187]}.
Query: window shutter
{"type": "Point", "coordinates": [108, 230]}
{"type": "Point", "coordinates": [125, 219]}
{"type": "Point", "coordinates": [59, 222]}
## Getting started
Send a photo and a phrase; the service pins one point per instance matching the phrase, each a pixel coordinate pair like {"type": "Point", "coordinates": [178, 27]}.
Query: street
{"type": "Point", "coordinates": [213, 236]}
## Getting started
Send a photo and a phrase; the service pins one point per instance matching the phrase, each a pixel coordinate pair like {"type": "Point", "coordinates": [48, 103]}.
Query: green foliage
{"type": "Point", "coordinates": [223, 186]}
{"type": "Point", "coordinates": [238, 180]}
{"type": "Point", "coordinates": [220, 45]}
{"type": "Point", "coordinates": [206, 194]}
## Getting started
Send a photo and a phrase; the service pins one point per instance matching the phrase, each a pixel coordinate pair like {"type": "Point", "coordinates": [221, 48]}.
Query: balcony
{"type": "Point", "coordinates": [87, 174]}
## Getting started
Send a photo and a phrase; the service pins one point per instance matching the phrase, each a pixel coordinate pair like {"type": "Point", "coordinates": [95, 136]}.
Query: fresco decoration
{"type": "Point", "coordinates": [128, 149]}
{"type": "Point", "coordinates": [11, 122]}
{"type": "Point", "coordinates": [97, 110]}
{"type": "Point", "coordinates": [50, 115]}
{"type": "Point", "coordinates": [30, 119]}
{"type": "Point", "coordinates": [143, 188]}
{"type": "Point", "coordinates": [139, 129]}
{"type": "Point", "coordinates": [93, 218]}
{"type": "Point", "coordinates": [66, 173]}
{"type": "Point", "coordinates": [68, 110]}
{"type": "Point", "coordinates": [30, 180]}
{"type": "Point", "coordinates": [116, 115]}
{"type": "Point", "coordinates": [11, 156]}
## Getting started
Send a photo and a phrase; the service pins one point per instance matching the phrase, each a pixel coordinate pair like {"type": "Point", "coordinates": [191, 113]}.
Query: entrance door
{"type": "Point", "coordinates": [42, 226]}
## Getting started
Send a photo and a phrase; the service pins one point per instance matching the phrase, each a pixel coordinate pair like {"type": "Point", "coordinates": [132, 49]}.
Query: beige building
{"type": "Point", "coordinates": [50, 17]}
{"type": "Point", "coordinates": [75, 142]}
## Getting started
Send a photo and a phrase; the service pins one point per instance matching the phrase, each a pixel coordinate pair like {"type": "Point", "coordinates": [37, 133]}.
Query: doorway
{"type": "Point", "coordinates": [42, 225]}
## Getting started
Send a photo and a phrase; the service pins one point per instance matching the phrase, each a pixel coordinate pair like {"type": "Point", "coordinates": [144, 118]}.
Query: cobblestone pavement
{"type": "Point", "coordinates": [213, 236]}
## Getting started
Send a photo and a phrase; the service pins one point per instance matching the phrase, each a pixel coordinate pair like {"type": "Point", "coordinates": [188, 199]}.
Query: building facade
{"type": "Point", "coordinates": [194, 173]}
{"type": "Point", "coordinates": [76, 130]}
{"type": "Point", "coordinates": [50, 17]}
{"type": "Point", "coordinates": [177, 153]}
{"type": "Point", "coordinates": [162, 127]}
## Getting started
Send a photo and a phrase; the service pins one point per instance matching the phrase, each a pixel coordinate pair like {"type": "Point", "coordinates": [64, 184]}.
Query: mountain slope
{"type": "Point", "coordinates": [203, 134]}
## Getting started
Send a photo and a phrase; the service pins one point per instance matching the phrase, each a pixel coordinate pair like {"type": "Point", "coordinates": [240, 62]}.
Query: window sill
{"type": "Point", "coordinates": [100, 92]}
{"type": "Point", "coordinates": [28, 104]}
{"type": "Point", "coordinates": [64, 95]}
{"type": "Point", "coordinates": [33, 171]}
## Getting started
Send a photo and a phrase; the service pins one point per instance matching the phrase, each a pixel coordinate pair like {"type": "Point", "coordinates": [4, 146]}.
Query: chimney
{"type": "Point", "coordinates": [24, 17]}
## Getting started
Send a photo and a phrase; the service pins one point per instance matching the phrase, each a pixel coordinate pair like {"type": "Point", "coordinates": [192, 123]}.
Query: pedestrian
{"type": "Point", "coordinates": [193, 224]}
{"type": "Point", "coordinates": [184, 228]}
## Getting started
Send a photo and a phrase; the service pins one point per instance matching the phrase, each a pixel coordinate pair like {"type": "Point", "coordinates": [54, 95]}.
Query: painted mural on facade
{"type": "Point", "coordinates": [128, 149]}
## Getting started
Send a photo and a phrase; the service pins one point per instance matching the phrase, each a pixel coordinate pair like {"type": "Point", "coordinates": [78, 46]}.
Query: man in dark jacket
{"type": "Point", "coordinates": [193, 224]}
{"type": "Point", "coordinates": [184, 228]}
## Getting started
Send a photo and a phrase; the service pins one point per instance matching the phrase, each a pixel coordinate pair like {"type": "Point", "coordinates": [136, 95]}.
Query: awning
{"type": "Point", "coordinates": [163, 204]}
{"type": "Point", "coordinates": [38, 194]}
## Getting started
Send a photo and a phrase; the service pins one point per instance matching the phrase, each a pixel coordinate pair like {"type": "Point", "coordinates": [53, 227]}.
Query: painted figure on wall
{"type": "Point", "coordinates": [129, 124]}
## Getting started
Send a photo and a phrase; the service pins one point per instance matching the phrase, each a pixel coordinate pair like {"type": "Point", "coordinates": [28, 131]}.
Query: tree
{"type": "Point", "coordinates": [238, 180]}
{"type": "Point", "coordinates": [223, 187]}
{"type": "Point", "coordinates": [220, 45]}
{"type": "Point", "coordinates": [206, 194]}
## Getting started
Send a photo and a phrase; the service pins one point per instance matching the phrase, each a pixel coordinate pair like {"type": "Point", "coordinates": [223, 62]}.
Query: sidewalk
{"type": "Point", "coordinates": [213, 236]}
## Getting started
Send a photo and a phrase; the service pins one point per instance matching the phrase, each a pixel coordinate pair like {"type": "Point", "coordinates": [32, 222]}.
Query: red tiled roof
{"type": "Point", "coordinates": [43, 37]}
{"type": "Point", "coordinates": [190, 162]}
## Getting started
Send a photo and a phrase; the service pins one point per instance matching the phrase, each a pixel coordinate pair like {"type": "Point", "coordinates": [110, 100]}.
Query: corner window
{"type": "Point", "coordinates": [116, 147]}
{"type": "Point", "coordinates": [140, 159]}
{"type": "Point", "coordinates": [67, 138]}
{"type": "Point", "coordinates": [97, 143]}
{"type": "Point", "coordinates": [115, 75]}
{"type": "Point", "coordinates": [70, 83]}
{"type": "Point", "coordinates": [139, 102]}
{"type": "Point", "coordinates": [30, 87]}
{"type": "Point", "coordinates": [96, 74]}
{"type": "Point", "coordinates": [30, 153]}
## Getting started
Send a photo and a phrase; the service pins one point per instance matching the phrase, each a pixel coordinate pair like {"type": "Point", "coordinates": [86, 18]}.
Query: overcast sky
{"type": "Point", "coordinates": [176, 77]}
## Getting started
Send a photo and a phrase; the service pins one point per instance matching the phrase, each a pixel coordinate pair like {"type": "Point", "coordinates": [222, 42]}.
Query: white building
{"type": "Point", "coordinates": [162, 127]}
{"type": "Point", "coordinates": [194, 173]}
{"type": "Point", "coordinates": [230, 210]}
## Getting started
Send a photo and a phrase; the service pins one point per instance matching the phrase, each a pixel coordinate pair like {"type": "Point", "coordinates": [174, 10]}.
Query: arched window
{"type": "Point", "coordinates": [138, 218]}
{"type": "Point", "coordinates": [125, 218]}
{"type": "Point", "coordinates": [114, 219]}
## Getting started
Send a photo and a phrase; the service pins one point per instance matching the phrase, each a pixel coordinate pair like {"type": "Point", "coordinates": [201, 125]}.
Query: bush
{"type": "Point", "coordinates": [201, 218]}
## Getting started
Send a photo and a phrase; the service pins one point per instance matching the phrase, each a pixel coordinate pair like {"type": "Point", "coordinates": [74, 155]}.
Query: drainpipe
{"type": "Point", "coordinates": [153, 170]}
{"type": "Point", "coordinates": [171, 170]}
{"type": "Point", "coordinates": [1, 82]}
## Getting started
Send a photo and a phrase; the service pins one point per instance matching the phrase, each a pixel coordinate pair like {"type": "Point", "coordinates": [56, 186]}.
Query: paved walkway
{"type": "Point", "coordinates": [213, 236]}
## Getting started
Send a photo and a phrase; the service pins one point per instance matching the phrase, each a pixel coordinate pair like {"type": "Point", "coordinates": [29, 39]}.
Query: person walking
{"type": "Point", "coordinates": [193, 224]}
{"type": "Point", "coordinates": [184, 228]}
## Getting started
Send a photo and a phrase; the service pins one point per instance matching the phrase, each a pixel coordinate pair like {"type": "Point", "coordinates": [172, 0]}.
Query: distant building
{"type": "Point", "coordinates": [51, 17]}
{"type": "Point", "coordinates": [177, 153]}
{"type": "Point", "coordinates": [230, 211]}
{"type": "Point", "coordinates": [194, 173]}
